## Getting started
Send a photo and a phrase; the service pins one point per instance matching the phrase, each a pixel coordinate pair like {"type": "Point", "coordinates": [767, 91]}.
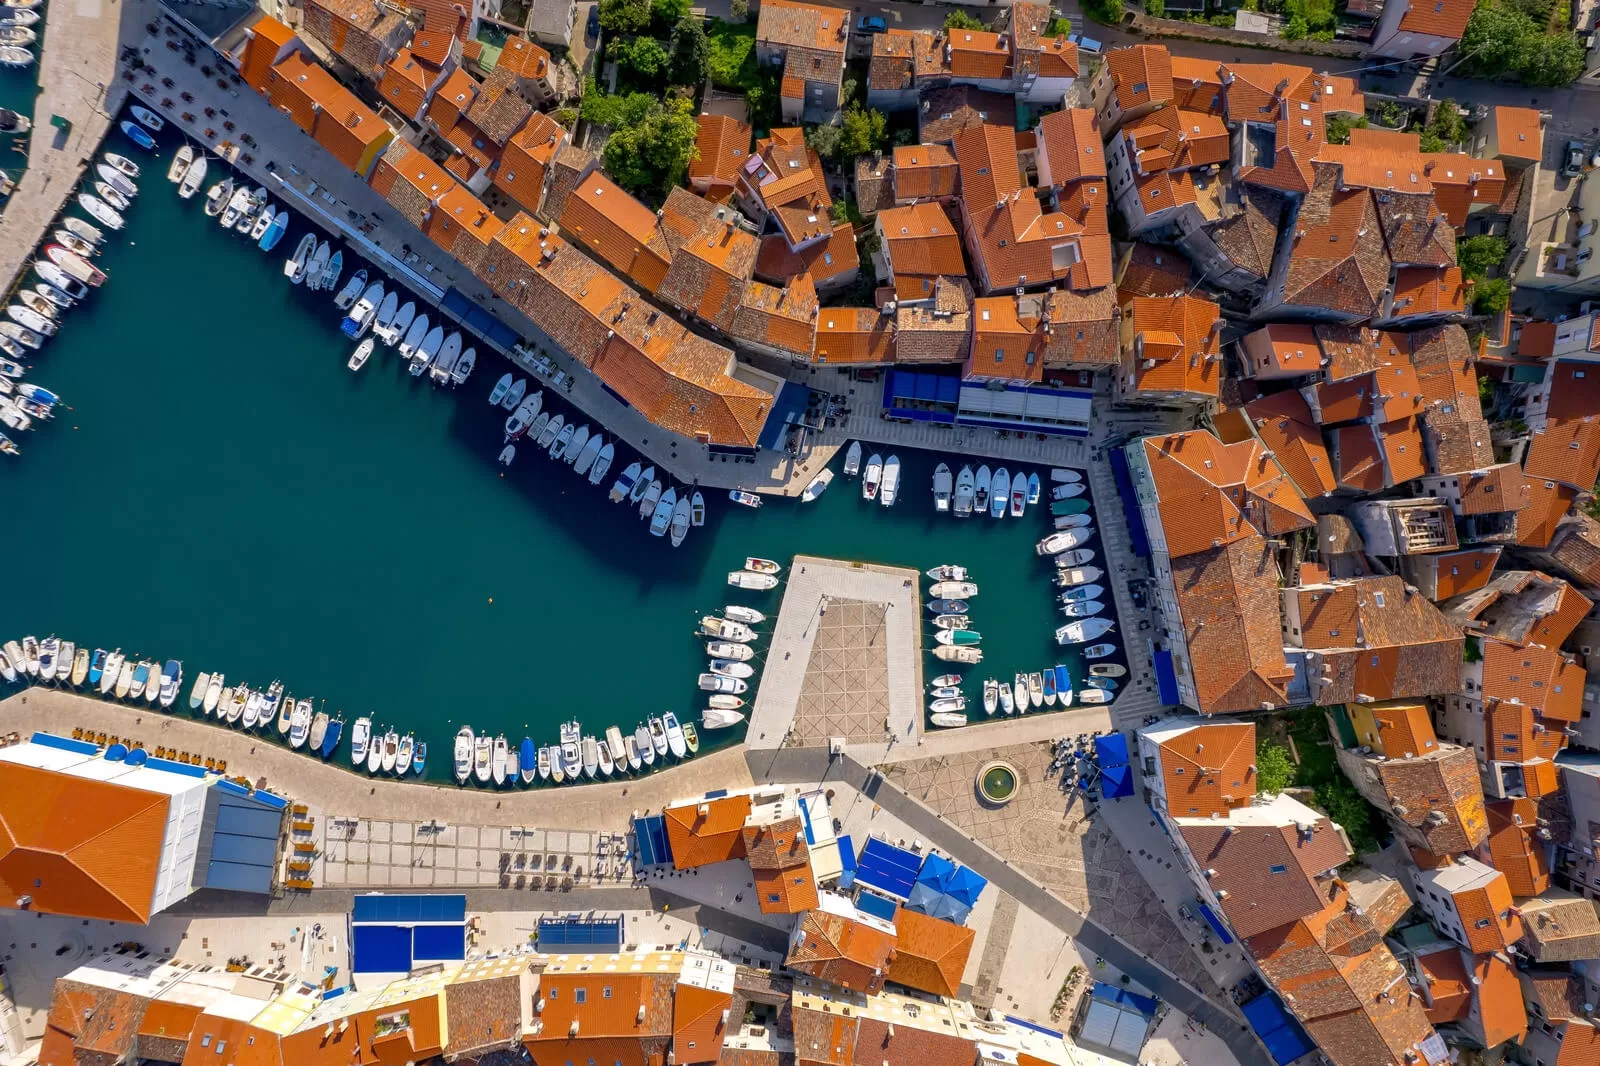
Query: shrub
{"type": "Point", "coordinates": [670, 12]}
{"type": "Point", "coordinates": [865, 131]}
{"type": "Point", "coordinates": [640, 60]}
{"type": "Point", "coordinates": [732, 57]}
{"type": "Point", "coordinates": [1105, 12]}
{"type": "Point", "coordinates": [960, 20]}
{"type": "Point", "coordinates": [1059, 26]}
{"type": "Point", "coordinates": [1274, 769]}
{"type": "Point", "coordinates": [824, 140]}
{"type": "Point", "coordinates": [1478, 255]}
{"type": "Point", "coordinates": [1155, 8]}
{"type": "Point", "coordinates": [739, 10]}
{"type": "Point", "coordinates": [1490, 296]}
{"type": "Point", "coordinates": [1339, 128]}
{"type": "Point", "coordinates": [624, 16]}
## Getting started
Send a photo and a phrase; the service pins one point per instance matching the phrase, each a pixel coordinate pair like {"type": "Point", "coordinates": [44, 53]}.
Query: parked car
{"type": "Point", "coordinates": [1087, 44]}
{"type": "Point", "coordinates": [1572, 159]}
{"type": "Point", "coordinates": [593, 28]}
{"type": "Point", "coordinates": [871, 24]}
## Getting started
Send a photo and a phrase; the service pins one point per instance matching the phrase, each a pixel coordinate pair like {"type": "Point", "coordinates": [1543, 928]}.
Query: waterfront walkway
{"type": "Point", "coordinates": [78, 81]}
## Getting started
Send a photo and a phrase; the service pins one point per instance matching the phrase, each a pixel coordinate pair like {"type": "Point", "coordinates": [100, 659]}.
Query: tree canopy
{"type": "Point", "coordinates": [1502, 40]}
{"type": "Point", "coordinates": [691, 52]}
{"type": "Point", "coordinates": [624, 16]}
{"type": "Point", "coordinates": [670, 12]}
{"type": "Point", "coordinates": [865, 131]}
{"type": "Point", "coordinates": [960, 20]}
{"type": "Point", "coordinates": [641, 60]}
{"type": "Point", "coordinates": [652, 154]}
{"type": "Point", "coordinates": [1274, 768]}
{"type": "Point", "coordinates": [1481, 254]}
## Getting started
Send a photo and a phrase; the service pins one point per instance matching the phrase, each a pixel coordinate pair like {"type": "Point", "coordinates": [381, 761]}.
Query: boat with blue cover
{"type": "Point", "coordinates": [137, 135]}
{"type": "Point", "coordinates": [330, 739]}
{"type": "Point", "coordinates": [528, 761]}
{"type": "Point", "coordinates": [280, 226]}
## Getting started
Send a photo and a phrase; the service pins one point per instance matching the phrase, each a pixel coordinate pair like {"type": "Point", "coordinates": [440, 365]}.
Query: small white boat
{"type": "Point", "coordinates": [362, 353]}
{"type": "Point", "coordinates": [118, 181]}
{"type": "Point", "coordinates": [624, 483]}
{"type": "Point", "coordinates": [1059, 476]}
{"type": "Point", "coordinates": [463, 368]}
{"type": "Point", "coordinates": [413, 336]}
{"type": "Point", "coordinates": [999, 493]}
{"type": "Point", "coordinates": [652, 496]}
{"type": "Point", "coordinates": [852, 459]}
{"type": "Point", "coordinates": [507, 454]}
{"type": "Point", "coordinates": [570, 451]}
{"type": "Point", "coordinates": [818, 486]}
{"type": "Point", "coordinates": [1082, 608]}
{"type": "Point", "coordinates": [49, 649]}
{"type": "Point", "coordinates": [100, 211]}
{"type": "Point", "coordinates": [111, 196]}
{"type": "Point", "coordinates": [444, 364]}
{"type": "Point", "coordinates": [953, 590]}
{"type": "Point", "coordinates": [647, 748]}
{"type": "Point", "coordinates": [717, 683]}
{"type": "Point", "coordinates": [757, 565]}
{"type": "Point", "coordinates": [1064, 540]}
{"type": "Point", "coordinates": [744, 615]}
{"type": "Point", "coordinates": [294, 268]}
{"type": "Point", "coordinates": [179, 165]}
{"type": "Point", "coordinates": [1019, 692]}
{"type": "Point", "coordinates": [193, 177]}
{"type": "Point", "coordinates": [463, 754]}
{"type": "Point", "coordinates": [38, 304]}
{"type": "Point", "coordinates": [726, 629]}
{"type": "Point", "coordinates": [171, 681]}
{"type": "Point", "coordinates": [680, 520]}
{"type": "Point", "coordinates": [330, 273]}
{"type": "Point", "coordinates": [1067, 492]}
{"type": "Point", "coordinates": [1072, 521]}
{"type": "Point", "coordinates": [744, 498]}
{"type": "Point", "coordinates": [744, 579]}
{"type": "Point", "coordinates": [727, 649]}
{"type": "Point", "coordinates": [351, 291]}
{"type": "Point", "coordinates": [74, 243]}
{"type": "Point", "coordinates": [1019, 495]}
{"type": "Point", "coordinates": [966, 486]}
{"type": "Point", "coordinates": [718, 718]}
{"type": "Point", "coordinates": [943, 487]}
{"type": "Point", "coordinates": [991, 695]}
{"type": "Point", "coordinates": [360, 741]}
{"type": "Point", "coordinates": [501, 388]}
{"type": "Point", "coordinates": [148, 118]}
{"type": "Point", "coordinates": [1083, 631]}
{"type": "Point", "coordinates": [948, 720]}
{"type": "Point", "coordinates": [83, 229]}
{"type": "Point", "coordinates": [602, 463]}
{"type": "Point", "coordinates": [952, 654]}
{"type": "Point", "coordinates": [1093, 695]}
{"type": "Point", "coordinates": [1076, 557]}
{"type": "Point", "coordinates": [385, 316]}
{"type": "Point", "coordinates": [619, 750]}
{"type": "Point", "coordinates": [214, 693]}
{"type": "Point", "coordinates": [237, 203]}
{"type": "Point", "coordinates": [483, 759]}
{"type": "Point", "coordinates": [375, 752]}
{"type": "Point", "coordinates": [512, 398]}
{"type": "Point", "coordinates": [317, 267]}
{"type": "Point", "coordinates": [355, 324]}
{"type": "Point", "coordinates": [264, 219]}
{"type": "Point", "coordinates": [28, 318]}
{"type": "Point", "coordinates": [218, 197]}
{"type": "Point", "coordinates": [391, 751]}
{"type": "Point", "coordinates": [547, 436]}
{"type": "Point", "coordinates": [661, 517]}
{"type": "Point", "coordinates": [980, 491]}
{"type": "Point", "coordinates": [697, 510]}
{"type": "Point", "coordinates": [947, 572]}
{"type": "Point", "coordinates": [519, 426]}
{"type": "Point", "coordinates": [402, 322]}
{"type": "Point", "coordinates": [873, 476]}
{"type": "Point", "coordinates": [1082, 592]}
{"type": "Point", "coordinates": [675, 739]}
{"type": "Point", "coordinates": [732, 668]}
{"type": "Point", "coordinates": [590, 748]}
{"type": "Point", "coordinates": [197, 695]}
{"type": "Point", "coordinates": [948, 705]}
{"type": "Point", "coordinates": [300, 724]}
{"type": "Point", "coordinates": [545, 758]}
{"type": "Point", "coordinates": [402, 758]}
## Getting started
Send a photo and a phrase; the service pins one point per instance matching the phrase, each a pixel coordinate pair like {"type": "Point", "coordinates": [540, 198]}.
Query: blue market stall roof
{"type": "Point", "coordinates": [1282, 1036]}
{"type": "Point", "coordinates": [1166, 678]}
{"type": "Point", "coordinates": [945, 890]}
{"type": "Point", "coordinates": [575, 932]}
{"type": "Point", "coordinates": [1111, 750]}
{"type": "Point", "coordinates": [239, 838]}
{"type": "Point", "coordinates": [1117, 1020]}
{"type": "Point", "coordinates": [392, 933]}
{"type": "Point", "coordinates": [847, 860]}
{"type": "Point", "coordinates": [1138, 539]}
{"type": "Point", "coordinates": [890, 870]}
{"type": "Point", "coordinates": [650, 836]}
{"type": "Point", "coordinates": [1116, 781]}
{"type": "Point", "coordinates": [1215, 923]}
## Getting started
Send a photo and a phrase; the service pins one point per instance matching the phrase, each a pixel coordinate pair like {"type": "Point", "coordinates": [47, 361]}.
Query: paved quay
{"type": "Point", "coordinates": [78, 81]}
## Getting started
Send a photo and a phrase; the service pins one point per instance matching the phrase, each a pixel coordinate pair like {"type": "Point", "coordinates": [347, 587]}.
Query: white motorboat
{"type": "Point", "coordinates": [118, 181]}
{"type": "Point", "coordinates": [717, 683]}
{"type": "Point", "coordinates": [444, 364]}
{"type": "Point", "coordinates": [513, 396]}
{"type": "Point", "coordinates": [966, 487]}
{"type": "Point", "coordinates": [507, 454]}
{"type": "Point", "coordinates": [74, 243]}
{"type": "Point", "coordinates": [661, 517]}
{"type": "Point", "coordinates": [1064, 540]}
{"type": "Point", "coordinates": [31, 319]}
{"type": "Point", "coordinates": [651, 497]}
{"type": "Point", "coordinates": [237, 204]}
{"type": "Point", "coordinates": [570, 451]}
{"type": "Point", "coordinates": [949, 705]}
{"type": "Point", "coordinates": [697, 510]}
{"type": "Point", "coordinates": [360, 741]}
{"type": "Point", "coordinates": [1075, 557]}
{"type": "Point", "coordinates": [680, 520]}
{"type": "Point", "coordinates": [947, 572]}
{"type": "Point", "coordinates": [562, 439]}
{"type": "Point", "coordinates": [462, 761]}
{"type": "Point", "coordinates": [727, 649]}
{"type": "Point", "coordinates": [873, 476]}
{"type": "Point", "coordinates": [732, 668]}
{"type": "Point", "coordinates": [1082, 608]}
{"type": "Point", "coordinates": [1019, 692]}
{"type": "Point", "coordinates": [1072, 521]}
{"type": "Point", "coordinates": [235, 703]}
{"type": "Point", "coordinates": [624, 484]}
{"type": "Point", "coordinates": [483, 758]}
{"type": "Point", "coordinates": [641, 740]}
{"type": "Point", "coordinates": [1082, 592]}
{"type": "Point", "coordinates": [20, 335]}
{"type": "Point", "coordinates": [1019, 495]}
{"type": "Point", "coordinates": [38, 304]}
{"type": "Point", "coordinates": [252, 710]}
{"type": "Point", "coordinates": [214, 692]}
{"type": "Point", "coordinates": [980, 491]}
{"type": "Point", "coordinates": [463, 368]}
{"type": "Point", "coordinates": [675, 739]}
{"type": "Point", "coordinates": [1108, 670]}
{"type": "Point", "coordinates": [401, 324]}
{"type": "Point", "coordinates": [109, 676]}
{"type": "Point", "coordinates": [385, 316]}
{"type": "Point", "coordinates": [180, 163]}
{"type": "Point", "coordinates": [718, 718]}
{"type": "Point", "coordinates": [351, 291]}
{"type": "Point", "coordinates": [744, 498]}
{"type": "Point", "coordinates": [218, 197]}
{"type": "Point", "coordinates": [317, 266]}
{"type": "Point", "coordinates": [87, 230]}
{"type": "Point", "coordinates": [125, 166]}
{"type": "Point", "coordinates": [148, 118]}
{"type": "Point", "coordinates": [587, 455]}
{"type": "Point", "coordinates": [61, 300]}
{"type": "Point", "coordinates": [726, 629]}
{"type": "Point", "coordinates": [943, 487]}
{"type": "Point", "coordinates": [602, 465]}
{"type": "Point", "coordinates": [363, 352]}
{"type": "Point", "coordinates": [999, 493]}
{"type": "Point", "coordinates": [744, 579]}
{"type": "Point", "coordinates": [111, 196]}
{"type": "Point", "coordinates": [330, 272]}
{"type": "Point", "coordinates": [425, 352]}
{"type": "Point", "coordinates": [197, 695]}
{"type": "Point", "coordinates": [631, 745]}
{"type": "Point", "coordinates": [100, 211]}
{"type": "Point", "coordinates": [193, 177]}
{"type": "Point", "coordinates": [547, 436]}
{"type": "Point", "coordinates": [49, 648]}
{"type": "Point", "coordinates": [294, 268]}
{"type": "Point", "coordinates": [1067, 492]}
{"type": "Point", "coordinates": [253, 208]}
{"type": "Point", "coordinates": [744, 615]}
{"type": "Point", "coordinates": [590, 748]}
{"type": "Point", "coordinates": [1093, 695]}
{"type": "Point", "coordinates": [991, 695]}
{"type": "Point", "coordinates": [171, 682]}
{"type": "Point", "coordinates": [818, 486]}
{"type": "Point", "coordinates": [500, 389]}
{"type": "Point", "coordinates": [1083, 631]}
{"type": "Point", "coordinates": [1060, 476]}
{"type": "Point", "coordinates": [523, 418]}
{"type": "Point", "coordinates": [300, 724]}
{"type": "Point", "coordinates": [953, 590]}
{"type": "Point", "coordinates": [402, 757]}
{"type": "Point", "coordinates": [963, 654]}
{"type": "Point", "coordinates": [359, 319]}
{"type": "Point", "coordinates": [948, 720]}
{"type": "Point", "coordinates": [852, 459]}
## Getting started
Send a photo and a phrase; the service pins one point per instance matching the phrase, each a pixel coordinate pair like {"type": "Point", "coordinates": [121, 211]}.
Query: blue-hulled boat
{"type": "Point", "coordinates": [1063, 679]}
{"type": "Point", "coordinates": [280, 225]}
{"type": "Point", "coordinates": [97, 666]}
{"type": "Point", "coordinates": [527, 761]}
{"type": "Point", "coordinates": [419, 761]}
{"type": "Point", "coordinates": [1050, 687]}
{"type": "Point", "coordinates": [330, 739]}
{"type": "Point", "coordinates": [137, 135]}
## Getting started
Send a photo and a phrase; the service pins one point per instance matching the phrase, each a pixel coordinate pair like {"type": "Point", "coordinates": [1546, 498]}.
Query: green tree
{"type": "Point", "coordinates": [691, 53]}
{"type": "Point", "coordinates": [1491, 295]}
{"type": "Point", "coordinates": [670, 12]}
{"type": "Point", "coordinates": [960, 20]}
{"type": "Point", "coordinates": [1155, 8]}
{"type": "Point", "coordinates": [641, 59]}
{"type": "Point", "coordinates": [1550, 59]}
{"type": "Point", "coordinates": [653, 155]}
{"type": "Point", "coordinates": [1339, 128]}
{"type": "Point", "coordinates": [865, 131]}
{"type": "Point", "coordinates": [738, 10]}
{"type": "Point", "coordinates": [1105, 12]}
{"type": "Point", "coordinates": [1492, 38]}
{"type": "Point", "coordinates": [1447, 122]}
{"type": "Point", "coordinates": [1478, 255]}
{"type": "Point", "coordinates": [1295, 29]}
{"type": "Point", "coordinates": [622, 109]}
{"type": "Point", "coordinates": [1344, 805]}
{"type": "Point", "coordinates": [624, 16]}
{"type": "Point", "coordinates": [1274, 769]}
{"type": "Point", "coordinates": [824, 140]}
{"type": "Point", "coordinates": [1059, 26]}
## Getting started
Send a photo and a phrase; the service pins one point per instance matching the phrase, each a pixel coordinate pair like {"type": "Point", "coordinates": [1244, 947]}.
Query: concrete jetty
{"type": "Point", "coordinates": [77, 81]}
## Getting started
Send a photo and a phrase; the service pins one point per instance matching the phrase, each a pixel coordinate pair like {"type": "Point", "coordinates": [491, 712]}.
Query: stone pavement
{"type": "Point", "coordinates": [77, 80]}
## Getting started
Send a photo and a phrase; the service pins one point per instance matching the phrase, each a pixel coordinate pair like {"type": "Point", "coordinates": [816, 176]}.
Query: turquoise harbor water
{"type": "Point", "coordinates": [225, 492]}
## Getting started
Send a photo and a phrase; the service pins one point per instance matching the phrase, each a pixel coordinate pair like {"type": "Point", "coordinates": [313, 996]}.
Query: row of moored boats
{"type": "Point", "coordinates": [576, 757]}
{"type": "Point", "coordinates": [18, 19]}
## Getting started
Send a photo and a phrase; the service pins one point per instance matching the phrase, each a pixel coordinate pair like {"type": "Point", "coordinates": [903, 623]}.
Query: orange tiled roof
{"type": "Point", "coordinates": [780, 865]}
{"type": "Point", "coordinates": [699, 1025]}
{"type": "Point", "coordinates": [921, 239]}
{"type": "Point", "coordinates": [619, 229]}
{"type": "Point", "coordinates": [979, 55]}
{"type": "Point", "coordinates": [855, 335]}
{"type": "Point", "coordinates": [1519, 132]}
{"type": "Point", "coordinates": [263, 40]}
{"type": "Point", "coordinates": [1284, 424]}
{"type": "Point", "coordinates": [1464, 571]}
{"type": "Point", "coordinates": [1141, 74]}
{"type": "Point", "coordinates": [332, 114]}
{"type": "Point", "coordinates": [924, 171]}
{"type": "Point", "coordinates": [1209, 769]}
{"type": "Point", "coordinates": [1006, 342]}
{"type": "Point", "coordinates": [1487, 919]}
{"type": "Point", "coordinates": [930, 954]}
{"type": "Point", "coordinates": [1501, 1012]}
{"type": "Point", "coordinates": [1543, 679]}
{"type": "Point", "coordinates": [722, 145]}
{"type": "Point", "coordinates": [77, 846]}
{"type": "Point", "coordinates": [1337, 260]}
{"type": "Point", "coordinates": [523, 58]}
{"type": "Point", "coordinates": [1443, 18]}
{"type": "Point", "coordinates": [405, 83]}
{"type": "Point", "coordinates": [1429, 290]}
{"type": "Point", "coordinates": [1212, 493]}
{"type": "Point", "coordinates": [1513, 850]}
{"type": "Point", "coordinates": [810, 26]}
{"type": "Point", "coordinates": [824, 261]}
{"type": "Point", "coordinates": [1071, 142]}
{"type": "Point", "coordinates": [844, 951]}
{"type": "Point", "coordinates": [1566, 452]}
{"type": "Point", "coordinates": [1175, 348]}
{"type": "Point", "coordinates": [526, 160]}
{"type": "Point", "coordinates": [707, 831]}
{"type": "Point", "coordinates": [1292, 347]}
{"type": "Point", "coordinates": [1447, 985]}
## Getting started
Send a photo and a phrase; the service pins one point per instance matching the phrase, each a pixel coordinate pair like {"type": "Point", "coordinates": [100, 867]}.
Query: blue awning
{"type": "Point", "coordinates": [877, 906]}
{"type": "Point", "coordinates": [966, 886]}
{"type": "Point", "coordinates": [409, 907]}
{"type": "Point", "coordinates": [1166, 678]}
{"type": "Point", "coordinates": [888, 869]}
{"type": "Point", "coordinates": [650, 836]}
{"type": "Point", "coordinates": [1138, 539]}
{"type": "Point", "coordinates": [380, 949]}
{"type": "Point", "coordinates": [575, 932]}
{"type": "Point", "coordinates": [788, 407]}
{"type": "Point", "coordinates": [847, 861]}
{"type": "Point", "coordinates": [1116, 781]}
{"type": "Point", "coordinates": [50, 740]}
{"type": "Point", "coordinates": [1216, 924]}
{"type": "Point", "coordinates": [138, 757]}
{"type": "Point", "coordinates": [1282, 1036]}
{"type": "Point", "coordinates": [438, 943]}
{"type": "Point", "coordinates": [1111, 750]}
{"type": "Point", "coordinates": [936, 869]}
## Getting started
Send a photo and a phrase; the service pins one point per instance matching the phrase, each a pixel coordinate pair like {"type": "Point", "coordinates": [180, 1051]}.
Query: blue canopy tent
{"type": "Point", "coordinates": [1116, 782]}
{"type": "Point", "coordinates": [1111, 750]}
{"type": "Point", "coordinates": [965, 886]}
{"type": "Point", "coordinates": [1282, 1035]}
{"type": "Point", "coordinates": [888, 869]}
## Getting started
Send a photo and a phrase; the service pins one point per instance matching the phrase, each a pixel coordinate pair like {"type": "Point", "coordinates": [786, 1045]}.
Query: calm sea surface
{"type": "Point", "coordinates": [225, 492]}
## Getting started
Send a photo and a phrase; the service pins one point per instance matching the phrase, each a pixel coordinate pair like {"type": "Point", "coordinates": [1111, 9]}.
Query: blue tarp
{"type": "Point", "coordinates": [576, 932]}
{"type": "Point", "coordinates": [787, 409]}
{"type": "Point", "coordinates": [50, 740]}
{"type": "Point", "coordinates": [1139, 540]}
{"type": "Point", "coordinates": [1116, 781]}
{"type": "Point", "coordinates": [478, 320]}
{"type": "Point", "coordinates": [1111, 750]}
{"type": "Point", "coordinates": [936, 869]}
{"type": "Point", "coordinates": [847, 861]}
{"type": "Point", "coordinates": [877, 906]}
{"type": "Point", "coordinates": [1216, 924]}
{"type": "Point", "coordinates": [650, 834]}
{"type": "Point", "coordinates": [1145, 1005]}
{"type": "Point", "coordinates": [1285, 1041]}
{"type": "Point", "coordinates": [1166, 678]}
{"type": "Point", "coordinates": [888, 869]}
{"type": "Point", "coordinates": [380, 949]}
{"type": "Point", "coordinates": [409, 907]}
{"type": "Point", "coordinates": [438, 943]}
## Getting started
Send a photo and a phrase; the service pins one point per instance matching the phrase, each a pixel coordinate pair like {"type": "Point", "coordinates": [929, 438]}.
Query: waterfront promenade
{"type": "Point", "coordinates": [78, 81]}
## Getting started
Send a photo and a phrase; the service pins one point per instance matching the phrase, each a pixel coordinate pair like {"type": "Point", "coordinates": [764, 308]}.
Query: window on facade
{"type": "Point", "coordinates": [1278, 868]}
{"type": "Point", "coordinates": [605, 993]}
{"type": "Point", "coordinates": [581, 995]}
{"type": "Point", "coordinates": [1481, 923]}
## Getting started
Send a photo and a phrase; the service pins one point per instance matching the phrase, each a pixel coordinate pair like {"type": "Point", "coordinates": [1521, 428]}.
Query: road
{"type": "Point", "coordinates": [810, 765]}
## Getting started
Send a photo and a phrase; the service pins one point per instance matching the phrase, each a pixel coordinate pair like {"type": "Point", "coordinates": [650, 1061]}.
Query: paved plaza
{"type": "Point", "coordinates": [846, 690]}
{"type": "Point", "coordinates": [362, 852]}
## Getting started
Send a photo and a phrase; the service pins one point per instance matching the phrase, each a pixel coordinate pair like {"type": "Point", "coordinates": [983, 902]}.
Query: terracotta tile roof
{"type": "Point", "coordinates": [1354, 350]}
{"type": "Point", "coordinates": [842, 951]}
{"type": "Point", "coordinates": [483, 1015]}
{"type": "Point", "coordinates": [1209, 769]}
{"type": "Point", "coordinates": [824, 1039]}
{"type": "Point", "coordinates": [922, 239]}
{"type": "Point", "coordinates": [809, 26]}
{"type": "Point", "coordinates": [453, 99]}
{"type": "Point", "coordinates": [1514, 851]}
{"type": "Point", "coordinates": [1083, 328]}
{"type": "Point", "coordinates": [411, 182]}
{"type": "Point", "coordinates": [854, 335]}
{"type": "Point", "coordinates": [1213, 494]}
{"type": "Point", "coordinates": [88, 1024]}
{"type": "Point", "coordinates": [1057, 57]}
{"type": "Point", "coordinates": [1401, 443]}
{"type": "Point", "coordinates": [1291, 347]}
{"type": "Point", "coordinates": [1341, 96]}
{"type": "Point", "coordinates": [1006, 340]}
{"type": "Point", "coordinates": [77, 846]}
{"type": "Point", "coordinates": [874, 185]}
{"type": "Point", "coordinates": [688, 388]}
{"type": "Point", "coordinates": [526, 160]}
{"type": "Point", "coordinates": [1501, 1014]}
{"type": "Point", "coordinates": [1464, 571]}
{"type": "Point", "coordinates": [1070, 141]}
{"type": "Point", "coordinates": [698, 1025]}
{"type": "Point", "coordinates": [1559, 926]}
{"type": "Point", "coordinates": [708, 831]}
{"type": "Point", "coordinates": [263, 39]}
{"type": "Point", "coordinates": [633, 1024]}
{"type": "Point", "coordinates": [708, 274]}
{"type": "Point", "coordinates": [1387, 159]}
{"type": "Point", "coordinates": [523, 58]}
{"type": "Point", "coordinates": [322, 107]}
{"type": "Point", "coordinates": [722, 145]}
{"type": "Point", "coordinates": [1446, 780]}
{"type": "Point", "coordinates": [1357, 458]}
{"type": "Point", "coordinates": [499, 111]}
{"type": "Point", "coordinates": [1228, 601]}
{"type": "Point", "coordinates": [1404, 730]}
{"type": "Point", "coordinates": [783, 318]}
{"type": "Point", "coordinates": [930, 954]}
{"type": "Point", "coordinates": [1448, 988]}
{"type": "Point", "coordinates": [1429, 291]}
{"type": "Point", "coordinates": [1249, 236]}
{"type": "Point", "coordinates": [1566, 452]}
{"type": "Point", "coordinates": [1519, 132]}
{"type": "Point", "coordinates": [1537, 522]}
{"type": "Point", "coordinates": [924, 171]}
{"type": "Point", "coordinates": [1487, 919]}
{"type": "Point", "coordinates": [1337, 260]}
{"type": "Point", "coordinates": [1388, 393]}
{"type": "Point", "coordinates": [1197, 83]}
{"type": "Point", "coordinates": [1152, 270]}
{"type": "Point", "coordinates": [358, 31]}
{"type": "Point", "coordinates": [1283, 423]}
{"type": "Point", "coordinates": [892, 66]}
{"type": "Point", "coordinates": [443, 23]}
{"type": "Point", "coordinates": [882, 1042]}
{"type": "Point", "coordinates": [1557, 994]}
{"type": "Point", "coordinates": [1176, 344]}
{"type": "Point", "coordinates": [405, 83]}
{"type": "Point", "coordinates": [1542, 679]}
{"type": "Point", "coordinates": [978, 55]}
{"type": "Point", "coordinates": [1416, 233]}
{"type": "Point", "coordinates": [946, 112]}
{"type": "Point", "coordinates": [939, 331]}
{"type": "Point", "coordinates": [1141, 74]}
{"type": "Point", "coordinates": [1264, 875]}
{"type": "Point", "coordinates": [1574, 390]}
{"type": "Point", "coordinates": [1445, 18]}
{"type": "Point", "coordinates": [780, 864]}
{"type": "Point", "coordinates": [1172, 139]}
{"type": "Point", "coordinates": [617, 228]}
{"type": "Point", "coordinates": [464, 225]}
{"type": "Point", "coordinates": [825, 261]}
